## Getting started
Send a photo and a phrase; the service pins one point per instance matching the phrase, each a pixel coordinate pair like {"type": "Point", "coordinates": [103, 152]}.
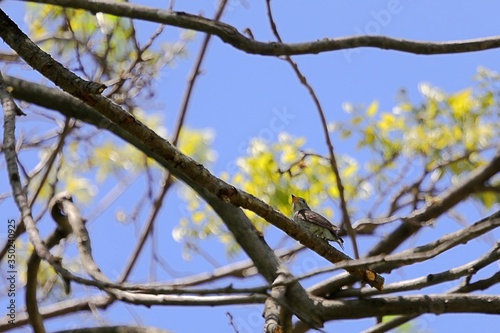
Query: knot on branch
{"type": "Point", "coordinates": [225, 193]}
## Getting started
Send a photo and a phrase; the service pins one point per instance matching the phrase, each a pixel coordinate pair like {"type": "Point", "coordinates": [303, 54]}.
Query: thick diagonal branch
{"type": "Point", "coordinates": [183, 167]}
{"type": "Point", "coordinates": [179, 165]}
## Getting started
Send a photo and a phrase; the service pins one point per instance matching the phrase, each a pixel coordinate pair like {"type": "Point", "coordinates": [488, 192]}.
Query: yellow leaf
{"type": "Point", "coordinates": [369, 136]}
{"type": "Point", "coordinates": [461, 102]}
{"type": "Point", "coordinates": [328, 213]}
{"type": "Point", "coordinates": [457, 133]}
{"type": "Point", "coordinates": [197, 217]}
{"type": "Point", "coordinates": [387, 122]}
{"type": "Point", "coordinates": [289, 156]}
{"type": "Point", "coordinates": [372, 109]}
{"type": "Point", "coordinates": [350, 170]}
{"type": "Point", "coordinates": [356, 120]}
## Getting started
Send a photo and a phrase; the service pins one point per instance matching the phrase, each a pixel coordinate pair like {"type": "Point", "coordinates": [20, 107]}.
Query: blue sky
{"type": "Point", "coordinates": [244, 92]}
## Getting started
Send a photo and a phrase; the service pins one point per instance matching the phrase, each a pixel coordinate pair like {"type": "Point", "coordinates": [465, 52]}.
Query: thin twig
{"type": "Point", "coordinates": [346, 220]}
{"type": "Point", "coordinates": [69, 125]}
{"type": "Point", "coordinates": [239, 270]}
{"type": "Point", "coordinates": [136, 60]}
{"type": "Point", "coordinates": [168, 180]}
{"type": "Point", "coordinates": [231, 322]}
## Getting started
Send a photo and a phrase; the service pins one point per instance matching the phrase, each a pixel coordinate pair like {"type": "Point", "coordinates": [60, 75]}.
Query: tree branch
{"type": "Point", "coordinates": [116, 329]}
{"type": "Point", "coordinates": [239, 270]}
{"type": "Point", "coordinates": [194, 175]}
{"type": "Point", "coordinates": [168, 180]}
{"type": "Point", "coordinates": [465, 288]}
{"type": "Point", "coordinates": [271, 316]}
{"type": "Point", "coordinates": [59, 309]}
{"type": "Point", "coordinates": [437, 304]}
{"type": "Point", "coordinates": [10, 111]}
{"type": "Point", "coordinates": [69, 218]}
{"type": "Point", "coordinates": [468, 269]}
{"type": "Point", "coordinates": [230, 35]}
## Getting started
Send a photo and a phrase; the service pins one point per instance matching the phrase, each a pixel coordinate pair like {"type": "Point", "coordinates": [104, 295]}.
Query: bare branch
{"type": "Point", "coordinates": [63, 230]}
{"type": "Point", "coordinates": [468, 269]}
{"type": "Point", "coordinates": [230, 35]}
{"type": "Point", "coordinates": [59, 309]}
{"type": "Point", "coordinates": [277, 318]}
{"type": "Point", "coordinates": [478, 285]}
{"type": "Point", "coordinates": [70, 218]}
{"type": "Point", "coordinates": [193, 76]}
{"type": "Point", "coordinates": [400, 320]}
{"type": "Point", "coordinates": [46, 164]}
{"type": "Point", "coordinates": [155, 289]}
{"type": "Point", "coordinates": [410, 304]}
{"type": "Point", "coordinates": [69, 125]}
{"type": "Point", "coordinates": [424, 252]}
{"type": "Point", "coordinates": [231, 322]}
{"type": "Point", "coordinates": [115, 329]}
{"type": "Point", "coordinates": [449, 198]}
{"type": "Point", "coordinates": [148, 226]}
{"type": "Point", "coordinates": [208, 186]}
{"type": "Point", "coordinates": [191, 300]}
{"type": "Point", "coordinates": [240, 269]}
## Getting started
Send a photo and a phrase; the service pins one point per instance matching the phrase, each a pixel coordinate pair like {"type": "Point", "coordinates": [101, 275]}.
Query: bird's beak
{"type": "Point", "coordinates": [294, 198]}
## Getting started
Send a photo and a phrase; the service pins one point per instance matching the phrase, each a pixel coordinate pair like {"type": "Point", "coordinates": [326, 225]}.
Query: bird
{"type": "Point", "coordinates": [314, 222]}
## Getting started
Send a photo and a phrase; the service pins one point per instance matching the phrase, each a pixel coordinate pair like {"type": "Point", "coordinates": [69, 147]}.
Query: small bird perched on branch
{"type": "Point", "coordinates": [314, 222]}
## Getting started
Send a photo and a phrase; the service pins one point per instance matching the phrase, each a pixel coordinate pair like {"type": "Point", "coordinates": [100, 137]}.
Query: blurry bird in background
{"type": "Point", "coordinates": [314, 222]}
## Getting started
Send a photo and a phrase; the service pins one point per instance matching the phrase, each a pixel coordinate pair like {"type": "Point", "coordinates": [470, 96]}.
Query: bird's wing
{"type": "Point", "coordinates": [315, 218]}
